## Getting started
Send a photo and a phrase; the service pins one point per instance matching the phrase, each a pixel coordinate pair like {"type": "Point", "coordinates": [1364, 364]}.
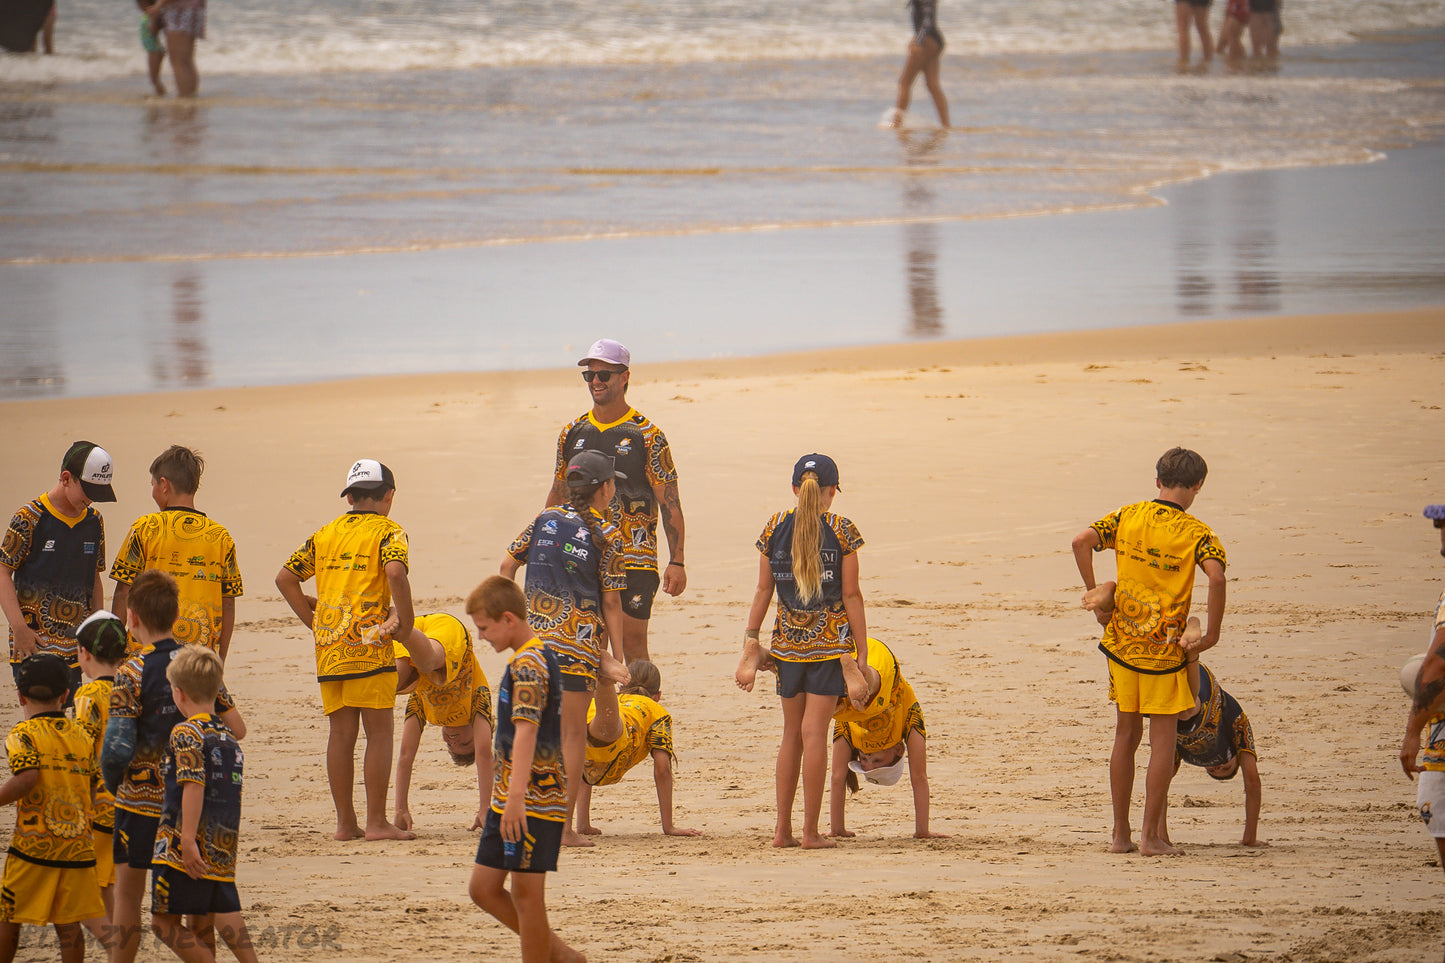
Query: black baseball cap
{"type": "Point", "coordinates": [824, 467]}
{"type": "Point", "coordinates": [102, 635]}
{"type": "Point", "coordinates": [43, 677]}
{"type": "Point", "coordinates": [588, 468]}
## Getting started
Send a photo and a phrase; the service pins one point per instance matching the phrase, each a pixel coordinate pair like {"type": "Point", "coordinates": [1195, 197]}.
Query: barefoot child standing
{"type": "Point", "coordinates": [360, 564]}
{"type": "Point", "coordinates": [523, 831]}
{"type": "Point", "coordinates": [1157, 545]}
{"type": "Point", "coordinates": [810, 558]}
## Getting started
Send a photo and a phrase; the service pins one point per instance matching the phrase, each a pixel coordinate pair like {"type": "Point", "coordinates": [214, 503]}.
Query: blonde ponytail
{"type": "Point", "coordinates": [808, 540]}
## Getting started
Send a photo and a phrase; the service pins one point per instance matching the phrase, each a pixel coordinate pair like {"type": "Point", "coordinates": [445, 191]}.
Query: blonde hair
{"type": "Point", "coordinates": [497, 594]}
{"type": "Point", "coordinates": [196, 671]}
{"type": "Point", "coordinates": [808, 540]}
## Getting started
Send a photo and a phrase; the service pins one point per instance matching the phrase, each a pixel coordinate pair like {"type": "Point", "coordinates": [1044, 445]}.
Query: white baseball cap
{"type": "Point", "coordinates": [89, 464]}
{"type": "Point", "coordinates": [369, 475]}
{"type": "Point", "coordinates": [609, 352]}
{"type": "Point", "coordinates": [883, 775]}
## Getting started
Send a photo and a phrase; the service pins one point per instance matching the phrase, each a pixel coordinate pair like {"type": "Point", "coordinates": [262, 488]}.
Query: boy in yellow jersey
{"type": "Point", "coordinates": [181, 540]}
{"type": "Point", "coordinates": [50, 871]}
{"type": "Point", "coordinates": [101, 645]}
{"type": "Point", "coordinates": [1427, 708]}
{"type": "Point", "coordinates": [438, 668]}
{"type": "Point", "coordinates": [1157, 545]}
{"type": "Point", "coordinates": [622, 730]}
{"type": "Point", "coordinates": [523, 832]}
{"type": "Point", "coordinates": [360, 564]}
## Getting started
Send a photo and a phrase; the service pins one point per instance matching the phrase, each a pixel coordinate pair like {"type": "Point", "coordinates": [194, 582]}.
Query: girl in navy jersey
{"type": "Point", "coordinates": [809, 559]}
{"type": "Point", "coordinates": [925, 51]}
{"type": "Point", "coordinates": [574, 589]}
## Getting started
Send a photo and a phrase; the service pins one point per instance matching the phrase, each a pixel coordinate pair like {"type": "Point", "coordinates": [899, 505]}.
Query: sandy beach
{"type": "Point", "coordinates": [968, 466]}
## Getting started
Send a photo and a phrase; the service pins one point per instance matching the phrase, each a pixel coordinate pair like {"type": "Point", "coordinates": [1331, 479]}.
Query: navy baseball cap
{"type": "Point", "coordinates": [588, 468]}
{"type": "Point", "coordinates": [824, 467]}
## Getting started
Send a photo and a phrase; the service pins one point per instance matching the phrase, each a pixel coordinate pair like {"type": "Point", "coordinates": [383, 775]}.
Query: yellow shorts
{"type": "Point", "coordinates": [369, 692]}
{"type": "Point", "coordinates": [104, 857]}
{"type": "Point", "coordinates": [37, 894]}
{"type": "Point", "coordinates": [1159, 695]}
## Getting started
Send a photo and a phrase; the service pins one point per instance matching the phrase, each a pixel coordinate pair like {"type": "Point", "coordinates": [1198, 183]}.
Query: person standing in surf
{"type": "Point", "coordinates": [925, 51]}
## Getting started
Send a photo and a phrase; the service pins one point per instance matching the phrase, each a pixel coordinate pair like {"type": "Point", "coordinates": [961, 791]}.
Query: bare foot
{"type": "Point", "coordinates": [570, 838]}
{"type": "Point", "coordinates": [562, 953]}
{"type": "Point", "coordinates": [1159, 847]}
{"type": "Point", "coordinates": [929, 834]}
{"type": "Point", "coordinates": [856, 682]}
{"type": "Point", "coordinates": [748, 665]}
{"type": "Point", "coordinates": [785, 840]}
{"type": "Point", "coordinates": [344, 832]}
{"type": "Point", "coordinates": [387, 831]}
{"type": "Point", "coordinates": [842, 833]}
{"type": "Point", "coordinates": [1123, 844]}
{"type": "Point", "coordinates": [815, 841]}
{"type": "Point", "coordinates": [589, 830]}
{"type": "Point", "coordinates": [612, 670]}
{"type": "Point", "coordinates": [1253, 843]}
{"type": "Point", "coordinates": [1100, 597]}
{"type": "Point", "coordinates": [1192, 632]}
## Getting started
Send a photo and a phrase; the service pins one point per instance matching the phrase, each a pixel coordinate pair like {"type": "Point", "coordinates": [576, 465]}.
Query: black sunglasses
{"type": "Point", "coordinates": [602, 376]}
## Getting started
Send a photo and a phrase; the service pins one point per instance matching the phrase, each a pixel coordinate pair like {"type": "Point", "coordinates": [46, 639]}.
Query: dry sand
{"type": "Point", "coordinates": [968, 468]}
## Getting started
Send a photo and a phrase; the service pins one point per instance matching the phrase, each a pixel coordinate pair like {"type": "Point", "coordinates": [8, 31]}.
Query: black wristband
{"type": "Point", "coordinates": [678, 564]}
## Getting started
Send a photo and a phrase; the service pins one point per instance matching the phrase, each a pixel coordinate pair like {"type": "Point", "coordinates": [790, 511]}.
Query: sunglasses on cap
{"type": "Point", "coordinates": [603, 376]}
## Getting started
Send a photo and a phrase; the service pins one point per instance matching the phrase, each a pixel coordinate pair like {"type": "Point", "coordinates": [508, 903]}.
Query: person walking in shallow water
{"type": "Point", "coordinates": [925, 51]}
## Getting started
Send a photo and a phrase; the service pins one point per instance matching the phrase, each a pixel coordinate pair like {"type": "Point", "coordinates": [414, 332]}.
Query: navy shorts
{"type": "Point", "coordinates": [134, 843]}
{"type": "Point", "coordinates": [174, 893]}
{"type": "Point", "coordinates": [534, 853]}
{"type": "Point", "coordinates": [642, 585]}
{"type": "Point", "coordinates": [814, 678]}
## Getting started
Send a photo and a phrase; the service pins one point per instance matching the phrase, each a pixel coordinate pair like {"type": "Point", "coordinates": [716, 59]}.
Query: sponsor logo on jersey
{"type": "Point", "coordinates": [50, 545]}
{"type": "Point", "coordinates": [580, 553]}
{"type": "Point", "coordinates": [550, 527]}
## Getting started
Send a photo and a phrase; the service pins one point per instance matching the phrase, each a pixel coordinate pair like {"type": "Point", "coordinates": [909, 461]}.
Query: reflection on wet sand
{"type": "Point", "coordinates": [183, 359]}
{"type": "Point", "coordinates": [920, 238]}
{"type": "Point", "coordinates": [1229, 221]}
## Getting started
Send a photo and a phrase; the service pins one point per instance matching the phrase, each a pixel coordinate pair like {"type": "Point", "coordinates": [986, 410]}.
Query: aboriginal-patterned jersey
{"type": "Point", "coordinates": [348, 558]}
{"type": "Point", "coordinates": [92, 709]}
{"type": "Point", "coordinates": [1157, 546]}
{"type": "Point", "coordinates": [202, 750]}
{"type": "Point", "coordinates": [820, 630]}
{"type": "Point", "coordinates": [55, 559]}
{"type": "Point", "coordinates": [143, 693]}
{"type": "Point", "coordinates": [465, 694]}
{"type": "Point", "coordinates": [52, 820]}
{"type": "Point", "coordinates": [1434, 758]}
{"type": "Point", "coordinates": [566, 576]}
{"type": "Point", "coordinates": [640, 451]}
{"type": "Point", "coordinates": [1219, 732]}
{"type": "Point", "coordinates": [646, 726]}
{"type": "Point", "coordinates": [531, 692]}
{"type": "Point", "coordinates": [886, 720]}
{"type": "Point", "coordinates": [201, 556]}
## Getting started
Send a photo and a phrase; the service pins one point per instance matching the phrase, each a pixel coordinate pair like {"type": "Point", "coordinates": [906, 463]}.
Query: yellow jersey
{"type": "Point", "coordinates": [52, 820]}
{"type": "Point", "coordinates": [348, 559]}
{"type": "Point", "coordinates": [646, 726]}
{"type": "Point", "coordinates": [92, 711]}
{"type": "Point", "coordinates": [1157, 546]}
{"type": "Point", "coordinates": [891, 714]}
{"type": "Point", "coordinates": [454, 702]}
{"type": "Point", "coordinates": [199, 553]}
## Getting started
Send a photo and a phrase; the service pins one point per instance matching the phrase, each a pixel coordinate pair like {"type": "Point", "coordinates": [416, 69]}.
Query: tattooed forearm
{"type": "Point", "coordinates": [1428, 695]}
{"type": "Point", "coordinates": [670, 508]}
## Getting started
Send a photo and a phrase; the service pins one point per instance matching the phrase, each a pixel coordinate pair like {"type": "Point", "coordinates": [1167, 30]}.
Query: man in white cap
{"type": "Point", "coordinates": [1428, 708]}
{"type": "Point", "coordinates": [52, 559]}
{"type": "Point", "coordinates": [640, 452]}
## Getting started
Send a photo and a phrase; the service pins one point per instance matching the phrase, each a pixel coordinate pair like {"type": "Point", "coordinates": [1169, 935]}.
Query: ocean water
{"type": "Point", "coordinates": [489, 185]}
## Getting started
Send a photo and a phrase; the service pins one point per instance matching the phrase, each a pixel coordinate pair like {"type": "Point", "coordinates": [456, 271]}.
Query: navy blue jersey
{"type": "Point", "coordinates": [202, 750]}
{"type": "Point", "coordinates": [1219, 732]}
